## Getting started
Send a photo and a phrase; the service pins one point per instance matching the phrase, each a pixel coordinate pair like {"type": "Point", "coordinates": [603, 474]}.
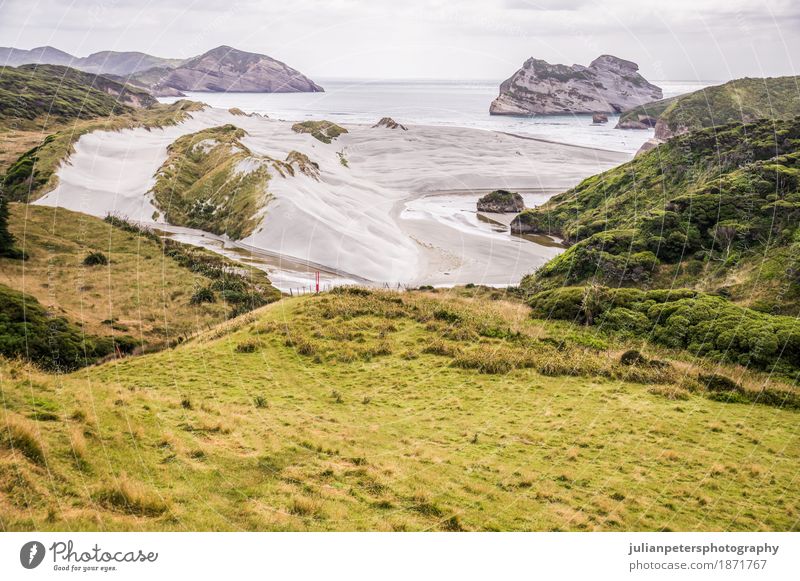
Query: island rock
{"type": "Point", "coordinates": [608, 85]}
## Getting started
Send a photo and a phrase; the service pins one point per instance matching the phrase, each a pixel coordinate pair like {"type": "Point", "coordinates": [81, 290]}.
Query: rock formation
{"type": "Point", "coordinates": [608, 85]}
{"type": "Point", "coordinates": [390, 123]}
{"type": "Point", "coordinates": [501, 202]}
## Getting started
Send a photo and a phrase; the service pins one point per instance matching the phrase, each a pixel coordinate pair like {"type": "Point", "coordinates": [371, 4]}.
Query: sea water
{"type": "Point", "coordinates": [435, 102]}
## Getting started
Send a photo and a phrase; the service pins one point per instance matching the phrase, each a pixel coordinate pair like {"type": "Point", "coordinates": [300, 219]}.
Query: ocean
{"type": "Point", "coordinates": [435, 102]}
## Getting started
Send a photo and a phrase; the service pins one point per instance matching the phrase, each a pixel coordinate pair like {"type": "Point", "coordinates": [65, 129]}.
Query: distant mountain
{"type": "Point", "coordinates": [738, 101]}
{"type": "Point", "coordinates": [109, 61]}
{"type": "Point", "coordinates": [225, 69]}
{"type": "Point", "coordinates": [608, 85]}
{"type": "Point", "coordinates": [45, 55]}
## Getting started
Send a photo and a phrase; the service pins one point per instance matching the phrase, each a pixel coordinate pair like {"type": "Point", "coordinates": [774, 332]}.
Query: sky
{"type": "Point", "coordinates": [447, 39]}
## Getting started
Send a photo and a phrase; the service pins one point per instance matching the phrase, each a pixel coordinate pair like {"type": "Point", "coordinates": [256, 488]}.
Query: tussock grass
{"type": "Point", "coordinates": [131, 497]}
{"type": "Point", "coordinates": [20, 436]}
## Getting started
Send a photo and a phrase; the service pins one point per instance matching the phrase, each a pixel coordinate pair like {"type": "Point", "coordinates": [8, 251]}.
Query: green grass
{"type": "Point", "coordinates": [356, 427]}
{"type": "Point", "coordinates": [143, 290]}
{"type": "Point", "coordinates": [324, 131]}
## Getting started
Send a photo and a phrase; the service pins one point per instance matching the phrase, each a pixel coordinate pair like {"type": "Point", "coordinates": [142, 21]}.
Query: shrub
{"type": "Point", "coordinates": [632, 357]}
{"type": "Point", "coordinates": [718, 383]}
{"type": "Point", "coordinates": [249, 346]}
{"type": "Point", "coordinates": [95, 259]}
{"type": "Point", "coordinates": [202, 295]}
{"type": "Point", "coordinates": [704, 324]}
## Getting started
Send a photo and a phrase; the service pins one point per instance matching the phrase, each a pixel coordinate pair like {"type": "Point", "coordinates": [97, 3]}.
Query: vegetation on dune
{"type": "Point", "coordinates": [143, 288]}
{"type": "Point", "coordinates": [716, 209]}
{"type": "Point", "coordinates": [324, 131]}
{"type": "Point", "coordinates": [740, 101]}
{"type": "Point", "coordinates": [33, 173]}
{"type": "Point", "coordinates": [211, 181]}
{"type": "Point", "coordinates": [360, 410]}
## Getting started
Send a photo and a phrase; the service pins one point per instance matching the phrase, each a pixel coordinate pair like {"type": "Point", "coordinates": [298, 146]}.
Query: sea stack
{"type": "Point", "coordinates": [608, 85]}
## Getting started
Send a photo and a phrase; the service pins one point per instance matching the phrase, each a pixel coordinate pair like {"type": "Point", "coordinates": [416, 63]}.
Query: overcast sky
{"type": "Point", "coordinates": [470, 39]}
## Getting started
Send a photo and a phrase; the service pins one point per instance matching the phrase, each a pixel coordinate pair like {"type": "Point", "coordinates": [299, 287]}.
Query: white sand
{"type": "Point", "coordinates": [370, 220]}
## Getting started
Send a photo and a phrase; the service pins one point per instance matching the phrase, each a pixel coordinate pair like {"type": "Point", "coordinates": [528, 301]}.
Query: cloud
{"type": "Point", "coordinates": [445, 38]}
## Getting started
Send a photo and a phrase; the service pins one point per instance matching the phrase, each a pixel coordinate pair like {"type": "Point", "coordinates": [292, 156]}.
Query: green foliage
{"type": "Point", "coordinates": [699, 207]}
{"type": "Point", "coordinates": [706, 325]}
{"type": "Point", "coordinates": [29, 331]}
{"type": "Point", "coordinates": [324, 131]}
{"type": "Point", "coordinates": [25, 176]}
{"type": "Point", "coordinates": [202, 295]}
{"type": "Point", "coordinates": [245, 289]}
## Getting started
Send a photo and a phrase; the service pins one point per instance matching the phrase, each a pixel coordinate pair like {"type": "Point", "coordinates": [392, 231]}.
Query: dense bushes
{"type": "Point", "coordinates": [8, 247]}
{"type": "Point", "coordinates": [704, 324]}
{"type": "Point", "coordinates": [28, 331]}
{"type": "Point", "coordinates": [95, 259]}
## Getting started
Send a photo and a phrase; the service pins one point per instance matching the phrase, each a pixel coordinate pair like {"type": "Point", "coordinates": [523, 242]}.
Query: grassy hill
{"type": "Point", "coordinates": [62, 93]}
{"type": "Point", "coordinates": [717, 210]}
{"type": "Point", "coordinates": [739, 101]}
{"type": "Point", "coordinates": [361, 410]}
{"type": "Point", "coordinates": [143, 292]}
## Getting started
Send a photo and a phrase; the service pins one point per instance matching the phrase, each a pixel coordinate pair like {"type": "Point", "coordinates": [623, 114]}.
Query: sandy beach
{"type": "Point", "coordinates": [402, 211]}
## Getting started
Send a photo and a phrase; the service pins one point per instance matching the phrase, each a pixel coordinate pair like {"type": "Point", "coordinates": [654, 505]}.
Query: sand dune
{"type": "Point", "coordinates": [355, 219]}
